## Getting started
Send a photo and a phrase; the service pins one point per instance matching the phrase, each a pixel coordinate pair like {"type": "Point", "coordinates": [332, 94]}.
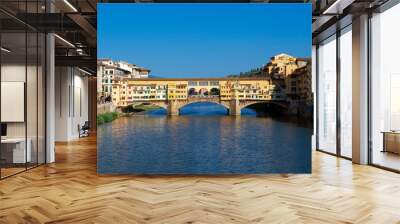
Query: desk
{"type": "Point", "coordinates": [391, 141]}
{"type": "Point", "coordinates": [18, 149]}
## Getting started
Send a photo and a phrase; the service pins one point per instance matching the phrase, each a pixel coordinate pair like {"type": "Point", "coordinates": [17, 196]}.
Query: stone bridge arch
{"type": "Point", "coordinates": [234, 106]}
{"type": "Point", "coordinates": [282, 104]}
{"type": "Point", "coordinates": [185, 103]}
{"type": "Point", "coordinates": [159, 103]}
{"type": "Point", "coordinates": [176, 105]}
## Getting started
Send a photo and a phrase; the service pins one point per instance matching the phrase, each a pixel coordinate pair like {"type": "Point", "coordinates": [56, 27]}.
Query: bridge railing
{"type": "Point", "coordinates": [203, 96]}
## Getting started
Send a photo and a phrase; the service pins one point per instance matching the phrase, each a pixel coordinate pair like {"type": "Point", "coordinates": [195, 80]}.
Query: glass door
{"type": "Point", "coordinates": [385, 89]}
{"type": "Point", "coordinates": [326, 95]}
{"type": "Point", "coordinates": [345, 92]}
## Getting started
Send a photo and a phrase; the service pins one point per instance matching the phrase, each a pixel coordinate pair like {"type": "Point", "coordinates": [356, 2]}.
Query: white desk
{"type": "Point", "coordinates": [19, 153]}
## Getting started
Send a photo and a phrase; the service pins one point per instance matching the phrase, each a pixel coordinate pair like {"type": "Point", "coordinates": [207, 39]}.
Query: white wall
{"type": "Point", "coordinates": [61, 103]}
{"type": "Point", "coordinates": [80, 110]}
{"type": "Point", "coordinates": [10, 73]}
{"type": "Point", "coordinates": [71, 102]}
{"type": "Point", "coordinates": [13, 101]}
{"type": "Point", "coordinates": [33, 126]}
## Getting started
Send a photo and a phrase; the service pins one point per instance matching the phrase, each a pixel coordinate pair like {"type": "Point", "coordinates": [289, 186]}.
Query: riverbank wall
{"type": "Point", "coordinates": [105, 108]}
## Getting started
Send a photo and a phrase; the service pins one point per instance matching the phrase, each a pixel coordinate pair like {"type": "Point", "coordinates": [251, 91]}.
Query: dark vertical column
{"type": "Point", "coordinates": [316, 96]}
{"type": "Point", "coordinates": [369, 54]}
{"type": "Point", "coordinates": [338, 74]}
{"type": "Point", "coordinates": [92, 102]}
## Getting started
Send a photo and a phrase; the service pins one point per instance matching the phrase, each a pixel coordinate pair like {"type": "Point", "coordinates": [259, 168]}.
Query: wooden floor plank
{"type": "Point", "coordinates": [70, 191]}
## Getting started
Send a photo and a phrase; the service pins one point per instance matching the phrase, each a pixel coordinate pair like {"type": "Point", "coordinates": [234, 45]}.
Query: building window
{"type": "Point", "coordinates": [214, 83]}
{"type": "Point", "coordinates": [203, 83]}
{"type": "Point", "coordinates": [192, 83]}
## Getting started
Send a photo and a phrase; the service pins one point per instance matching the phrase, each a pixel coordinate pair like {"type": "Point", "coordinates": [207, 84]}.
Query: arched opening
{"type": "Point", "coordinates": [203, 109]}
{"type": "Point", "coordinates": [144, 108]}
{"type": "Point", "coordinates": [265, 109]}
{"type": "Point", "coordinates": [214, 92]}
{"type": "Point", "coordinates": [192, 92]}
{"type": "Point", "coordinates": [203, 92]}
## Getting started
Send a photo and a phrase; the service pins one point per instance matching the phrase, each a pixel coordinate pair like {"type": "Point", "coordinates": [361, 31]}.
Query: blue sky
{"type": "Point", "coordinates": [202, 40]}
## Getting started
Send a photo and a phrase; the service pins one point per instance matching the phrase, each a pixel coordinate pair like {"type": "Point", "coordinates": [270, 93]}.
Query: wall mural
{"type": "Point", "coordinates": [204, 88]}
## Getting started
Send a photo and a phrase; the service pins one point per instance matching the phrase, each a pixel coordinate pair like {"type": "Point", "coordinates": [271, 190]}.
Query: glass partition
{"type": "Point", "coordinates": [385, 89]}
{"type": "Point", "coordinates": [326, 95]}
{"type": "Point", "coordinates": [22, 88]}
{"type": "Point", "coordinates": [346, 92]}
{"type": "Point", "coordinates": [13, 92]}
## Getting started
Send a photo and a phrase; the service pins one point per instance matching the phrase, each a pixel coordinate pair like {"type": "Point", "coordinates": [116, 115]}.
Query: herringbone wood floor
{"type": "Point", "coordinates": [70, 191]}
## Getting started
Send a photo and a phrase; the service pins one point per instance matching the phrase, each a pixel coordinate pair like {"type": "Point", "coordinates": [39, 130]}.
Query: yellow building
{"type": "Point", "coordinates": [299, 85]}
{"type": "Point", "coordinates": [177, 91]}
{"type": "Point", "coordinates": [282, 65]}
{"type": "Point", "coordinates": [127, 91]}
{"type": "Point", "coordinates": [246, 89]}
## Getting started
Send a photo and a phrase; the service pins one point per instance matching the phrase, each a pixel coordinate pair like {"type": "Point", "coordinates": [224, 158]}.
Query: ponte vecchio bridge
{"type": "Point", "coordinates": [173, 93]}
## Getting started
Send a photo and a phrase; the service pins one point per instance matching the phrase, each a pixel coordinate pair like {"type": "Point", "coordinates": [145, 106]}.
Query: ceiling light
{"type": "Point", "coordinates": [64, 40]}
{"type": "Point", "coordinates": [86, 72]}
{"type": "Point", "coordinates": [331, 7]}
{"type": "Point", "coordinates": [337, 7]}
{"type": "Point", "coordinates": [79, 51]}
{"type": "Point", "coordinates": [5, 50]}
{"type": "Point", "coordinates": [70, 5]}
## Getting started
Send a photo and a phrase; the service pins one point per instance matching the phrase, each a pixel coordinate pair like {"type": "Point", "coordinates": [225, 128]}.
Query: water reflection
{"type": "Point", "coordinates": [207, 144]}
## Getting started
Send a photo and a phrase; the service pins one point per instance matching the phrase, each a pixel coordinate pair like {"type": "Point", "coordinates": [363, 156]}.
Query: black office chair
{"type": "Point", "coordinates": [84, 130]}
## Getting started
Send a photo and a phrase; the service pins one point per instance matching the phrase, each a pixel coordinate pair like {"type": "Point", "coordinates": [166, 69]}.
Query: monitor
{"type": "Point", "coordinates": [3, 129]}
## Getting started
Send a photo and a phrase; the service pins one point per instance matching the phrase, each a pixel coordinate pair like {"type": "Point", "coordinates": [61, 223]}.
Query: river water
{"type": "Point", "coordinates": [203, 140]}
